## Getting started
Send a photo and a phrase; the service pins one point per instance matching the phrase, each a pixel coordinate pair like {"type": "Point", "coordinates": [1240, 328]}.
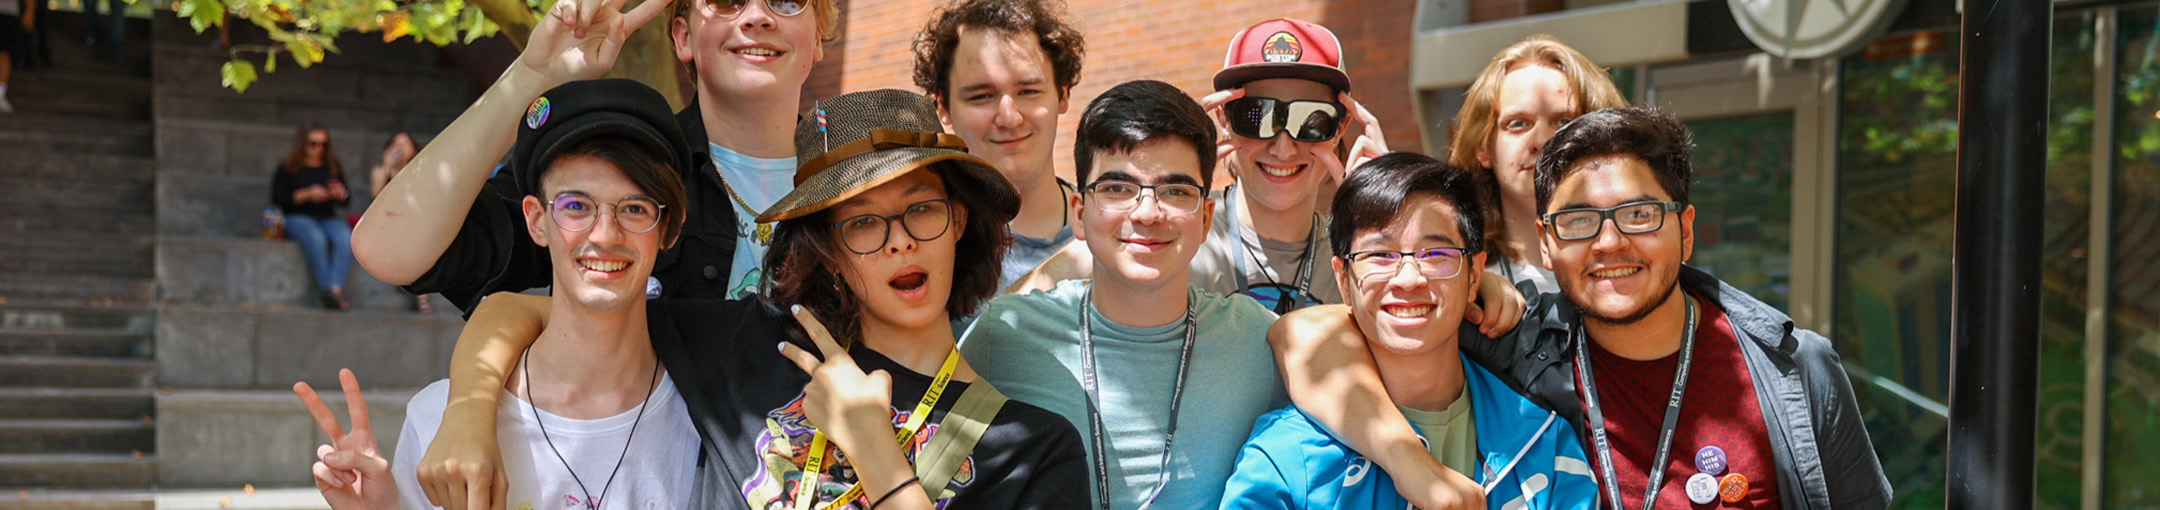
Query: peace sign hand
{"type": "Point", "coordinates": [350, 472]}
{"type": "Point", "coordinates": [579, 39]}
{"type": "Point", "coordinates": [1370, 143]}
{"type": "Point", "coordinates": [841, 400]}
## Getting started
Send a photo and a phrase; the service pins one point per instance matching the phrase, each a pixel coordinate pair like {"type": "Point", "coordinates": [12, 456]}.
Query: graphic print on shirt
{"type": "Point", "coordinates": [784, 447]}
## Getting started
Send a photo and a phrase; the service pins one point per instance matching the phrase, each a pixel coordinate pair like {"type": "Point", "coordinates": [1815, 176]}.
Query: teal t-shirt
{"type": "Point", "coordinates": [1029, 346]}
{"type": "Point", "coordinates": [761, 182]}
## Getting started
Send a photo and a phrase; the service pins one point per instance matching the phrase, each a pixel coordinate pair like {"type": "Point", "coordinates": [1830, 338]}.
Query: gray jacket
{"type": "Point", "coordinates": [1823, 455]}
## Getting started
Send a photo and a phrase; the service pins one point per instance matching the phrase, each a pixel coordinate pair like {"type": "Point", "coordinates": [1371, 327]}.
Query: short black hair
{"type": "Point", "coordinates": [1659, 139]}
{"type": "Point", "coordinates": [1045, 19]}
{"type": "Point", "coordinates": [1137, 112]}
{"type": "Point", "coordinates": [1375, 193]}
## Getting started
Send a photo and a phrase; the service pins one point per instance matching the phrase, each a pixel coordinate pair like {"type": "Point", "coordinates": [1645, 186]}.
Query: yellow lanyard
{"type": "Point", "coordinates": [806, 489]}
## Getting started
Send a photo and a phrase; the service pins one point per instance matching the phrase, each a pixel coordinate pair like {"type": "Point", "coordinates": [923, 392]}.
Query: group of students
{"type": "Point", "coordinates": [785, 302]}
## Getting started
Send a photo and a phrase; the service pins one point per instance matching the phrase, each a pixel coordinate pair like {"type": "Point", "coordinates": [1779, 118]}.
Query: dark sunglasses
{"type": "Point", "coordinates": [1264, 117]}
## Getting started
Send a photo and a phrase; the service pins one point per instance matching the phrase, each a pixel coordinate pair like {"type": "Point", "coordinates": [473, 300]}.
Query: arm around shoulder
{"type": "Point", "coordinates": [1850, 465]}
{"type": "Point", "coordinates": [1329, 373]}
{"type": "Point", "coordinates": [464, 458]}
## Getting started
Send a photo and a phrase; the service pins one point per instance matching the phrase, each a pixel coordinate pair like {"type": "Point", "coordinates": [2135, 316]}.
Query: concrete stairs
{"type": "Point", "coordinates": [238, 320]}
{"type": "Point", "coordinates": [77, 316]}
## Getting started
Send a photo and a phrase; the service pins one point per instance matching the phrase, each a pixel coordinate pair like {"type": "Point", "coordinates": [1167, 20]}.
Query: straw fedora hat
{"type": "Point", "coordinates": [858, 141]}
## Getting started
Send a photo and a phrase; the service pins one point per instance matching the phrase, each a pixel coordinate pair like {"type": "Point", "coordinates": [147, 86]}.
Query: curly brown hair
{"type": "Point", "coordinates": [935, 45]}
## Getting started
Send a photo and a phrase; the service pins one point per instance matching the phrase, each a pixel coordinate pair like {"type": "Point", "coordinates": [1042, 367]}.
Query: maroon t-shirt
{"type": "Point", "coordinates": [1719, 410]}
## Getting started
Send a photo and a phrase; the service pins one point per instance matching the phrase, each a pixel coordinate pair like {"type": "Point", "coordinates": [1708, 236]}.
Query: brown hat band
{"type": "Point", "coordinates": [879, 139]}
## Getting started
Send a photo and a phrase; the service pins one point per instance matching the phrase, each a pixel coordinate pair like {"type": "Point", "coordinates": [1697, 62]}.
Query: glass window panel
{"type": "Point", "coordinates": [1897, 153]}
{"type": "Point", "coordinates": [2058, 442]}
{"type": "Point", "coordinates": [1743, 172]}
{"type": "Point", "coordinates": [2133, 346]}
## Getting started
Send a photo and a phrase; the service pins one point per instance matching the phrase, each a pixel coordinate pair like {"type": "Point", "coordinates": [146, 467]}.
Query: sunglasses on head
{"type": "Point", "coordinates": [1305, 120]}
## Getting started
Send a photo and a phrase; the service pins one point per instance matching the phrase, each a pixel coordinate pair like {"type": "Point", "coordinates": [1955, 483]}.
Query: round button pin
{"type": "Point", "coordinates": [1710, 459]}
{"type": "Point", "coordinates": [652, 287]}
{"type": "Point", "coordinates": [1733, 487]}
{"type": "Point", "coordinates": [1702, 489]}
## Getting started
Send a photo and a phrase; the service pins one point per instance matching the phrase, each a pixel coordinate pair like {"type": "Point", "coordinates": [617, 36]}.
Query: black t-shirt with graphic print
{"type": "Point", "coordinates": [742, 394]}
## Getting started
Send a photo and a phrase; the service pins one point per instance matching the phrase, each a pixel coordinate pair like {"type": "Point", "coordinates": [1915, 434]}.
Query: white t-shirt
{"type": "Point", "coordinates": [761, 182]}
{"type": "Point", "coordinates": [656, 470]}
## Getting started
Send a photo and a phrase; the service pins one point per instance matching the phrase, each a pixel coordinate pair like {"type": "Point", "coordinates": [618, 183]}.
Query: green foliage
{"type": "Point", "coordinates": [306, 31]}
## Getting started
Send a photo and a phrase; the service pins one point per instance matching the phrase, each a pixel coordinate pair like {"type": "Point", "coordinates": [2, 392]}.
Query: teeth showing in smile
{"type": "Point", "coordinates": [603, 266]}
{"type": "Point", "coordinates": [1615, 273]}
{"type": "Point", "coordinates": [1409, 312]}
{"type": "Point", "coordinates": [1280, 171]}
{"type": "Point", "coordinates": [759, 52]}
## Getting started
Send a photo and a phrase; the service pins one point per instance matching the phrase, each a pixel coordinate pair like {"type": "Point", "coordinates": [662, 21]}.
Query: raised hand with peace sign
{"type": "Point", "coordinates": [350, 471]}
{"type": "Point", "coordinates": [855, 409]}
{"type": "Point", "coordinates": [580, 39]}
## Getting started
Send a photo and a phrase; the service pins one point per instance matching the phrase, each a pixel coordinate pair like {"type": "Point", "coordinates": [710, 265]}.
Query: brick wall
{"type": "Point", "coordinates": [1177, 42]}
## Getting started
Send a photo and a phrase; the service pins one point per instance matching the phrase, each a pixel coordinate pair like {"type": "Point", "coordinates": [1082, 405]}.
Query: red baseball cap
{"type": "Point", "coordinates": [1283, 48]}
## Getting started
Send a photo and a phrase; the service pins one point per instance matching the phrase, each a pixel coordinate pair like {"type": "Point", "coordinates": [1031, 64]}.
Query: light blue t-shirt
{"type": "Point", "coordinates": [761, 182]}
{"type": "Point", "coordinates": [1028, 252]}
{"type": "Point", "coordinates": [1029, 346]}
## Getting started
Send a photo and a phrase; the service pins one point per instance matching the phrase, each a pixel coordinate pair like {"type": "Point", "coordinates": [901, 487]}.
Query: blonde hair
{"type": "Point", "coordinates": [828, 16]}
{"type": "Point", "coordinates": [1473, 130]}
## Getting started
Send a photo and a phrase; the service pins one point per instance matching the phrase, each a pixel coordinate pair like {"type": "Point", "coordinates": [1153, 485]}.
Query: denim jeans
{"type": "Point", "coordinates": [327, 243]}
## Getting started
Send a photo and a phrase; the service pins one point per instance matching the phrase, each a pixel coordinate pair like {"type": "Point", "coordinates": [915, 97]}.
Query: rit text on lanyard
{"type": "Point", "coordinates": [1588, 383]}
{"type": "Point", "coordinates": [806, 489]}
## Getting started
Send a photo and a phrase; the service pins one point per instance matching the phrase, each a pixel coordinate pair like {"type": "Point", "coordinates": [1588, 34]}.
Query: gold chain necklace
{"type": "Point", "coordinates": [764, 229]}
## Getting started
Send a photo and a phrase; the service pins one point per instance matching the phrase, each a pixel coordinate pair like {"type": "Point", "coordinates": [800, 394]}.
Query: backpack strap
{"type": "Point", "coordinates": [958, 432]}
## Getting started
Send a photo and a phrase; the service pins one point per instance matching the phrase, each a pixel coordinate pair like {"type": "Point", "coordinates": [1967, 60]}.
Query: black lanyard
{"type": "Point", "coordinates": [1656, 469]}
{"type": "Point", "coordinates": [1304, 272]}
{"type": "Point", "coordinates": [1094, 409]}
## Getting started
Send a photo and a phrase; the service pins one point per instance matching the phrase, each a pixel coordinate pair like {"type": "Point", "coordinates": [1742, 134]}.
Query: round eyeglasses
{"type": "Point", "coordinates": [1376, 266]}
{"type": "Point", "coordinates": [1630, 218]}
{"type": "Point", "coordinates": [575, 212]}
{"type": "Point", "coordinates": [923, 221]}
{"type": "Point", "coordinates": [731, 8]}
{"type": "Point", "coordinates": [1122, 196]}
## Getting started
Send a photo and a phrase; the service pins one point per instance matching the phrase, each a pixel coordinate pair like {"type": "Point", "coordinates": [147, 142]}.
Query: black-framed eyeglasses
{"type": "Point", "coordinates": [575, 212]}
{"type": "Point", "coordinates": [1630, 218]}
{"type": "Point", "coordinates": [923, 221]}
{"type": "Point", "coordinates": [1304, 120]}
{"type": "Point", "coordinates": [1124, 196]}
{"type": "Point", "coordinates": [731, 8]}
{"type": "Point", "coordinates": [1374, 266]}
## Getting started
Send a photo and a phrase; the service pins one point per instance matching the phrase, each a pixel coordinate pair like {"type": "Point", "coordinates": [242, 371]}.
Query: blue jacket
{"type": "Point", "coordinates": [1528, 459]}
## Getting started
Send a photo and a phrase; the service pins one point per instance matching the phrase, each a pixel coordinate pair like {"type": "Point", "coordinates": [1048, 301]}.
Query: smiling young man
{"type": "Point", "coordinates": [602, 193]}
{"type": "Point", "coordinates": [1284, 100]}
{"type": "Point", "coordinates": [1406, 242]}
{"type": "Point", "coordinates": [1686, 390]}
{"type": "Point", "coordinates": [1001, 72]}
{"type": "Point", "coordinates": [1163, 377]}
{"type": "Point", "coordinates": [750, 58]}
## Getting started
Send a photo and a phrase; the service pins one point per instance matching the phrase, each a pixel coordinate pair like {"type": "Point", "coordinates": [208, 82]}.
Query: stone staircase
{"type": "Point", "coordinates": [237, 320]}
{"type": "Point", "coordinates": [149, 337]}
{"type": "Point", "coordinates": [77, 309]}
